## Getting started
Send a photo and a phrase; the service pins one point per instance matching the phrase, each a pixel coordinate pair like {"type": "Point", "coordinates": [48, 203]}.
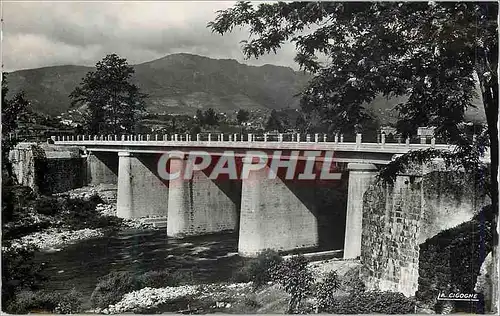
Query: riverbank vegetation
{"type": "Point", "coordinates": [276, 285]}
{"type": "Point", "coordinates": [31, 222]}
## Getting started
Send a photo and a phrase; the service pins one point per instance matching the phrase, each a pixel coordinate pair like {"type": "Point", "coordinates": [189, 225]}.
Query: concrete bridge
{"type": "Point", "coordinates": [268, 213]}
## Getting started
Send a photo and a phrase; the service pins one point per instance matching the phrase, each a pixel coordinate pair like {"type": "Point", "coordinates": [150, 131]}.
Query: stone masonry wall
{"type": "Point", "coordinates": [48, 169]}
{"type": "Point", "coordinates": [397, 218]}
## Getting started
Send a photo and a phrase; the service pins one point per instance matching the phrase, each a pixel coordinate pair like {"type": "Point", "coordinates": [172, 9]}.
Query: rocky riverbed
{"type": "Point", "coordinates": [54, 238]}
{"type": "Point", "coordinates": [217, 297]}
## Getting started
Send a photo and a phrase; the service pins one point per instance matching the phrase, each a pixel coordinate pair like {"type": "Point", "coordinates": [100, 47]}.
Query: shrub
{"type": "Point", "coordinates": [105, 221]}
{"type": "Point", "coordinates": [79, 213]}
{"type": "Point", "coordinates": [52, 302]}
{"type": "Point", "coordinates": [296, 279]}
{"type": "Point", "coordinates": [373, 302]}
{"type": "Point", "coordinates": [47, 205]}
{"type": "Point", "coordinates": [352, 283]}
{"type": "Point", "coordinates": [19, 272]}
{"type": "Point", "coordinates": [251, 302]}
{"type": "Point", "coordinates": [259, 269]}
{"type": "Point", "coordinates": [111, 287]}
{"type": "Point", "coordinates": [163, 278]}
{"type": "Point", "coordinates": [69, 303]}
{"type": "Point", "coordinates": [325, 290]}
{"type": "Point", "coordinates": [95, 200]}
{"type": "Point", "coordinates": [15, 201]}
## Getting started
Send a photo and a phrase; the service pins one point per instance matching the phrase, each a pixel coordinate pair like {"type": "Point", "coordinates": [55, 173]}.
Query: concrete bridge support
{"type": "Point", "coordinates": [141, 193]}
{"type": "Point", "coordinates": [360, 177]}
{"type": "Point", "coordinates": [274, 217]}
{"type": "Point", "coordinates": [200, 205]}
{"type": "Point", "coordinates": [102, 168]}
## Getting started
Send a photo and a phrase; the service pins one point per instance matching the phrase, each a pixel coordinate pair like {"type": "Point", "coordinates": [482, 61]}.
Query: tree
{"type": "Point", "coordinates": [113, 102]}
{"type": "Point", "coordinates": [301, 124]}
{"type": "Point", "coordinates": [242, 116]}
{"type": "Point", "coordinates": [13, 110]}
{"type": "Point", "coordinates": [274, 122]}
{"type": "Point", "coordinates": [200, 118]}
{"type": "Point", "coordinates": [296, 279]}
{"type": "Point", "coordinates": [210, 118]}
{"type": "Point", "coordinates": [432, 52]}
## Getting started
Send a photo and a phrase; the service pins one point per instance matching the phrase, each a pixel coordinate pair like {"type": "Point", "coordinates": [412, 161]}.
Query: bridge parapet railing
{"type": "Point", "coordinates": [353, 142]}
{"type": "Point", "coordinates": [357, 139]}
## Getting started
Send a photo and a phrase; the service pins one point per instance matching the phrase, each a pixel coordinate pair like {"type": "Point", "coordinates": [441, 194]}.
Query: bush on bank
{"type": "Point", "coordinates": [24, 212]}
{"type": "Point", "coordinates": [371, 302]}
{"type": "Point", "coordinates": [19, 272]}
{"type": "Point", "coordinates": [296, 279]}
{"type": "Point", "coordinates": [334, 294]}
{"type": "Point", "coordinates": [259, 270]}
{"type": "Point", "coordinates": [46, 302]}
{"type": "Point", "coordinates": [111, 287]}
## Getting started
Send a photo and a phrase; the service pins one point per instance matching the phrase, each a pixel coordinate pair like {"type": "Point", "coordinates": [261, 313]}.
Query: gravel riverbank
{"type": "Point", "coordinates": [53, 238]}
{"type": "Point", "coordinates": [148, 298]}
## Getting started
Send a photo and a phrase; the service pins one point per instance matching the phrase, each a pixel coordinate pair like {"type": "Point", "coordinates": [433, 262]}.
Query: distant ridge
{"type": "Point", "coordinates": [183, 83]}
{"type": "Point", "coordinates": [179, 83]}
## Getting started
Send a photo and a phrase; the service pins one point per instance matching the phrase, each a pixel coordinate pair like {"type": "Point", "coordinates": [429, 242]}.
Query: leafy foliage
{"type": "Point", "coordinates": [163, 278]}
{"type": "Point", "coordinates": [259, 270]}
{"type": "Point", "coordinates": [210, 118]}
{"type": "Point", "coordinates": [373, 302]}
{"type": "Point", "coordinates": [352, 283]}
{"type": "Point", "coordinates": [51, 302]}
{"type": "Point", "coordinates": [275, 123]}
{"type": "Point", "coordinates": [325, 290]}
{"type": "Point", "coordinates": [19, 272]}
{"type": "Point", "coordinates": [296, 279]}
{"type": "Point", "coordinates": [111, 287]}
{"type": "Point", "coordinates": [113, 102]}
{"type": "Point", "coordinates": [429, 51]}
{"type": "Point", "coordinates": [14, 109]}
{"type": "Point", "coordinates": [242, 116]}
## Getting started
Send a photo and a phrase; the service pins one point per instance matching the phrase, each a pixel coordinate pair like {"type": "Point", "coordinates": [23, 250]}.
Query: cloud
{"type": "Point", "coordinates": [38, 34]}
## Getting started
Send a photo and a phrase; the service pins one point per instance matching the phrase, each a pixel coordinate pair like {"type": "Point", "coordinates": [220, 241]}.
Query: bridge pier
{"type": "Point", "coordinates": [141, 193]}
{"type": "Point", "coordinates": [102, 168]}
{"type": "Point", "coordinates": [200, 205]}
{"type": "Point", "coordinates": [274, 216]}
{"type": "Point", "coordinates": [361, 175]}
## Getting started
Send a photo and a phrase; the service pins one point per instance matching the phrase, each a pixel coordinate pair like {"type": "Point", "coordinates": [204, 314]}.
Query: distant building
{"type": "Point", "coordinates": [388, 130]}
{"type": "Point", "coordinates": [426, 131]}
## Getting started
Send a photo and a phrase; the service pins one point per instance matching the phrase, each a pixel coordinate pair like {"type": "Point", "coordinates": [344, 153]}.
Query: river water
{"type": "Point", "coordinates": [210, 258]}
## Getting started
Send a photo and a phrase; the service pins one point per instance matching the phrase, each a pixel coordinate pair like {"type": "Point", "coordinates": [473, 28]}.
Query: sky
{"type": "Point", "coordinates": [38, 34]}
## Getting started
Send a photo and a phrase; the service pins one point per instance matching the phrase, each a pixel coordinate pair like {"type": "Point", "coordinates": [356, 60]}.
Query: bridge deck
{"type": "Point", "coordinates": [344, 151]}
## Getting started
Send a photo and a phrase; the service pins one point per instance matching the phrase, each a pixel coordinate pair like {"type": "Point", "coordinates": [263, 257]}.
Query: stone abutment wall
{"type": "Point", "coordinates": [398, 217]}
{"type": "Point", "coordinates": [48, 169]}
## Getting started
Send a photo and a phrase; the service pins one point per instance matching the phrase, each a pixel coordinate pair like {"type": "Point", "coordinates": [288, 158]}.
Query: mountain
{"type": "Point", "coordinates": [183, 83]}
{"type": "Point", "coordinates": [178, 83]}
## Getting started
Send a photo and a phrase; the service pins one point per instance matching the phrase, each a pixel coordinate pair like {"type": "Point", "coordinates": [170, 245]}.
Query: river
{"type": "Point", "coordinates": [210, 258]}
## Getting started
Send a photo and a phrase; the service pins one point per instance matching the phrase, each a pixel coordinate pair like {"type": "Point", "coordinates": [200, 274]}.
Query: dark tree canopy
{"type": "Point", "coordinates": [242, 116]}
{"type": "Point", "coordinates": [113, 102]}
{"type": "Point", "coordinates": [434, 53]}
{"type": "Point", "coordinates": [13, 110]}
{"type": "Point", "coordinates": [200, 118]}
{"type": "Point", "coordinates": [210, 118]}
{"type": "Point", "coordinates": [274, 122]}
